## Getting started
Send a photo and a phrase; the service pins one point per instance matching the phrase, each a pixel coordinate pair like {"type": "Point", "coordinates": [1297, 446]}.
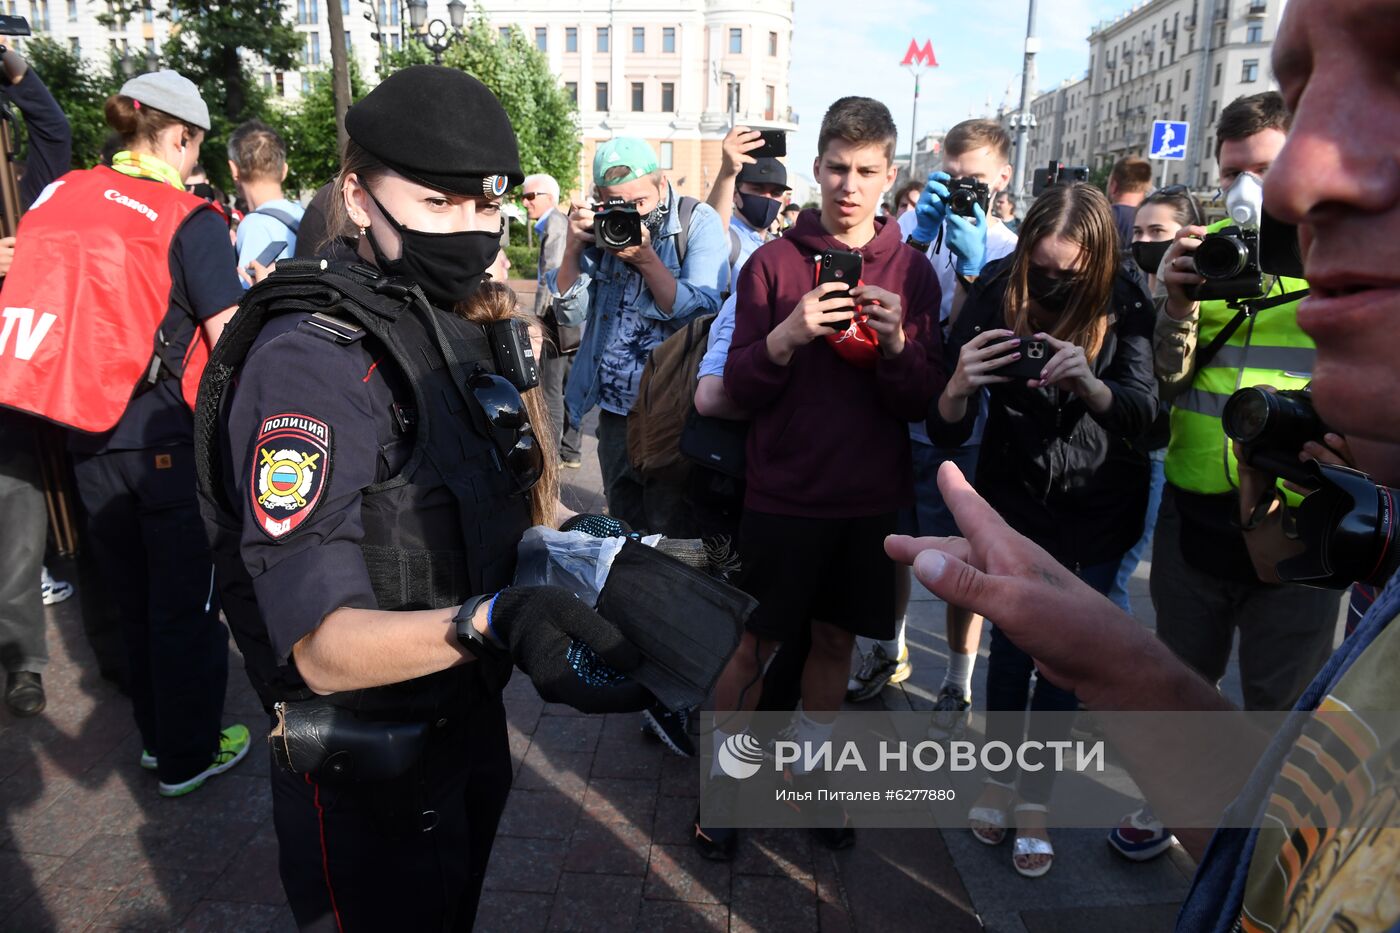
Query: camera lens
{"type": "Point", "coordinates": [1221, 257]}
{"type": "Point", "coordinates": [1278, 420]}
{"type": "Point", "coordinates": [960, 201]}
{"type": "Point", "coordinates": [1247, 414]}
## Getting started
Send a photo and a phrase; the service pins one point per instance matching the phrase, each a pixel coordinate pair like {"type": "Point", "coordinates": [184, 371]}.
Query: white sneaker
{"type": "Point", "coordinates": [54, 591]}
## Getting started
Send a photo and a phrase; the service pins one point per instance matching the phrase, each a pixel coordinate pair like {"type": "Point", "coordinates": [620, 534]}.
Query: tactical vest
{"type": "Point", "coordinates": [443, 529]}
{"type": "Point", "coordinates": [88, 296]}
{"type": "Point", "coordinates": [1268, 349]}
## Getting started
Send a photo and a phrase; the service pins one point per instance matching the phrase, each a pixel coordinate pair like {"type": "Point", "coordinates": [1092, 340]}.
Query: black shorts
{"type": "Point", "coordinates": [831, 570]}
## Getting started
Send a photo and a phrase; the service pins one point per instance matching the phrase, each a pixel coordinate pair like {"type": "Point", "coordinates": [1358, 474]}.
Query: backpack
{"type": "Point", "coordinates": [282, 217]}
{"type": "Point", "coordinates": [665, 397]}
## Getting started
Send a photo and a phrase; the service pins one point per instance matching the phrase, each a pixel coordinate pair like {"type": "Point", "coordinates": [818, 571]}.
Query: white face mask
{"type": "Point", "coordinates": [1245, 199]}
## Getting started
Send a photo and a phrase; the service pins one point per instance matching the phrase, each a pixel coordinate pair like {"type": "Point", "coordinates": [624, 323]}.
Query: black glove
{"type": "Point", "coordinates": [566, 649]}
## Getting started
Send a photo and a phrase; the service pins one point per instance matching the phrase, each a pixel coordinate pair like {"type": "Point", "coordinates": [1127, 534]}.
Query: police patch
{"type": "Point", "coordinates": [291, 463]}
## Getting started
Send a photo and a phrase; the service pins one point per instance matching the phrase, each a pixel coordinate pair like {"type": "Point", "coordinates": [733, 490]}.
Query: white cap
{"type": "Point", "coordinates": [171, 92]}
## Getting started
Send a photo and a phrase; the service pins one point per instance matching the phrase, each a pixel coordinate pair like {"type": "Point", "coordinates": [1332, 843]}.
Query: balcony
{"type": "Point", "coordinates": [1189, 23]}
{"type": "Point", "coordinates": [1222, 12]}
{"type": "Point", "coordinates": [1257, 8]}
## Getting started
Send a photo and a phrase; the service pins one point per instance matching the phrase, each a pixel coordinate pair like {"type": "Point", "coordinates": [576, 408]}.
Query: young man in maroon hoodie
{"type": "Point", "coordinates": [828, 449]}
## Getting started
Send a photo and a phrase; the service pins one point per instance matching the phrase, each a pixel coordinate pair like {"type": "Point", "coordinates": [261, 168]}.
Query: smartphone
{"type": "Point", "coordinates": [836, 265]}
{"type": "Point", "coordinates": [774, 144]}
{"type": "Point", "coordinates": [274, 249]}
{"type": "Point", "coordinates": [1034, 355]}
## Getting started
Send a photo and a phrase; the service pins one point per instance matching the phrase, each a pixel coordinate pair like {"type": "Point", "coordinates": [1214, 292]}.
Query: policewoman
{"type": "Point", "coordinates": [123, 281]}
{"type": "Point", "coordinates": [368, 468]}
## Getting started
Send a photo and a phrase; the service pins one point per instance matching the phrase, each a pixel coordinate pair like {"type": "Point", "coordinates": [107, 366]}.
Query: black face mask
{"type": "Point", "coordinates": [1052, 294]}
{"type": "Point", "coordinates": [1149, 256]}
{"type": "Point", "coordinates": [449, 267]}
{"type": "Point", "coordinates": [758, 210]}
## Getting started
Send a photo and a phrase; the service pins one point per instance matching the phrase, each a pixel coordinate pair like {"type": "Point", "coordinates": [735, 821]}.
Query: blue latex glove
{"type": "Point", "coordinates": [968, 241]}
{"type": "Point", "coordinates": [932, 207]}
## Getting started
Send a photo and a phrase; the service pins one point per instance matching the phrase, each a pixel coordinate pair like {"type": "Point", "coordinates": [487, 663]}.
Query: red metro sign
{"type": "Point", "coordinates": [920, 55]}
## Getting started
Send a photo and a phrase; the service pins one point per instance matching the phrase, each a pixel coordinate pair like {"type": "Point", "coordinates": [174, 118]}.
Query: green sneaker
{"type": "Point", "coordinates": [233, 745]}
{"type": "Point", "coordinates": [148, 761]}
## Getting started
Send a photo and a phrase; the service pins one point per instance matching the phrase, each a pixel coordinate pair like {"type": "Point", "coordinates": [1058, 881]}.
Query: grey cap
{"type": "Point", "coordinates": [172, 93]}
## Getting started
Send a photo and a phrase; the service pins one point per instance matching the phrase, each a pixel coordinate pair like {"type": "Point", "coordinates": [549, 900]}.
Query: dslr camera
{"type": "Point", "coordinates": [964, 192]}
{"type": "Point", "coordinates": [617, 225]}
{"type": "Point", "coordinates": [1228, 260]}
{"type": "Point", "coordinates": [1057, 173]}
{"type": "Point", "coordinates": [1272, 427]}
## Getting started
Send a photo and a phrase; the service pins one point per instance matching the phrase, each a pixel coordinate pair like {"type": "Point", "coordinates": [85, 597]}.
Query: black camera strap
{"type": "Point", "coordinates": [1247, 309]}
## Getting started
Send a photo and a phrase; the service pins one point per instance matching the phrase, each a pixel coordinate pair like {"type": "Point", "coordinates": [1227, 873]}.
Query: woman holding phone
{"type": "Point", "coordinates": [1060, 335]}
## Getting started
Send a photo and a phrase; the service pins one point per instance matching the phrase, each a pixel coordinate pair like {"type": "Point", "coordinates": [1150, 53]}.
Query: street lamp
{"type": "Point", "coordinates": [435, 34]}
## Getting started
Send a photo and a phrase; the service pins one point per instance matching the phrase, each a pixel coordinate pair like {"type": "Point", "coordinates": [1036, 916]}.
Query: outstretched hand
{"type": "Point", "coordinates": [1065, 625]}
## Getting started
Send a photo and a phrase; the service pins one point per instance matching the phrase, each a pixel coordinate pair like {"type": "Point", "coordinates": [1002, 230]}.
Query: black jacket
{"type": "Point", "coordinates": [1068, 479]}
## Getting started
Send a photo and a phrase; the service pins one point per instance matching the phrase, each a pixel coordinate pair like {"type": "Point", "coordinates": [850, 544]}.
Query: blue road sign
{"type": "Point", "coordinates": [1168, 139]}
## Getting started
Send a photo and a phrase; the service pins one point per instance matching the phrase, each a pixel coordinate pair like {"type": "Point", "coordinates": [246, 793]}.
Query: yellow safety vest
{"type": "Point", "coordinates": [1267, 349]}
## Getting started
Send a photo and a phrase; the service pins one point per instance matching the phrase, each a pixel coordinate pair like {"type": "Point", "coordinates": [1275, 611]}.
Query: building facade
{"type": "Point", "coordinates": [671, 73]}
{"type": "Point", "coordinates": [1161, 60]}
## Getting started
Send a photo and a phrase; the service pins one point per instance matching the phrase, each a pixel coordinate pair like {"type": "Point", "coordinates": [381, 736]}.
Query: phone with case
{"type": "Point", "coordinates": [1034, 355]}
{"type": "Point", "coordinates": [843, 267]}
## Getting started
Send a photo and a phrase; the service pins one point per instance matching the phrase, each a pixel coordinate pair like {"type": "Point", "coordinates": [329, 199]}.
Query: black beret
{"type": "Point", "coordinates": [439, 127]}
{"type": "Point", "coordinates": [766, 171]}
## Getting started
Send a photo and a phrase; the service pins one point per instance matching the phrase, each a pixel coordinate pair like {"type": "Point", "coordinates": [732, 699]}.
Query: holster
{"type": "Point", "coordinates": [331, 743]}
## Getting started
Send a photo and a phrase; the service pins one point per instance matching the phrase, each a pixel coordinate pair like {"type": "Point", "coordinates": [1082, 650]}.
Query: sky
{"type": "Point", "coordinates": [840, 48]}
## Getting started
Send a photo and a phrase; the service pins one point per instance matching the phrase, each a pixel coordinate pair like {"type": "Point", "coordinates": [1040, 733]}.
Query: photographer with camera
{"type": "Point", "coordinates": [1059, 334]}
{"type": "Point", "coordinates": [977, 153]}
{"type": "Point", "coordinates": [637, 269]}
{"type": "Point", "coordinates": [1203, 584]}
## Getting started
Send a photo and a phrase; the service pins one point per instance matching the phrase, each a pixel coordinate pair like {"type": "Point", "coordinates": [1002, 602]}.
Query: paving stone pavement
{"type": "Point", "coordinates": [595, 834]}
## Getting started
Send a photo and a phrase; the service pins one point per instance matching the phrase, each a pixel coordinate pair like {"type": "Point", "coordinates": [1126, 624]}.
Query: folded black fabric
{"type": "Point", "coordinates": [685, 623]}
{"type": "Point", "coordinates": [329, 742]}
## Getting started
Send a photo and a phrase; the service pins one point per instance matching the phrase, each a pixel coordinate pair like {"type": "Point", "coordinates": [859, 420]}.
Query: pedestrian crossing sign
{"type": "Point", "coordinates": [1168, 139]}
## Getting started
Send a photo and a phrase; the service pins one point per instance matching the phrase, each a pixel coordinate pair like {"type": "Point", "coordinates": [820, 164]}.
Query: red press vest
{"type": "Point", "coordinates": [86, 294]}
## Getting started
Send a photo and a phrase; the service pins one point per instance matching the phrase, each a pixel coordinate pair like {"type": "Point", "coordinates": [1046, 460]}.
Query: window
{"type": "Point", "coordinates": [1158, 93]}
{"type": "Point", "coordinates": [389, 12]}
{"type": "Point", "coordinates": [395, 41]}
{"type": "Point", "coordinates": [281, 84]}
{"type": "Point", "coordinates": [770, 102]}
{"type": "Point", "coordinates": [773, 43]}
{"type": "Point", "coordinates": [571, 88]}
{"type": "Point", "coordinates": [639, 38]}
{"type": "Point", "coordinates": [306, 84]}
{"type": "Point", "coordinates": [1254, 32]}
{"type": "Point", "coordinates": [349, 46]}
{"type": "Point", "coordinates": [666, 158]}
{"type": "Point", "coordinates": [542, 38]}
{"type": "Point", "coordinates": [308, 11]}
{"type": "Point", "coordinates": [504, 33]}
{"type": "Point", "coordinates": [148, 15]}
{"type": "Point", "coordinates": [638, 96]}
{"type": "Point", "coordinates": [1182, 118]}
{"type": "Point", "coordinates": [1186, 81]}
{"type": "Point", "coordinates": [602, 38]}
{"type": "Point", "coordinates": [736, 42]}
{"type": "Point", "coordinates": [267, 75]}
{"type": "Point", "coordinates": [1250, 72]}
{"type": "Point", "coordinates": [315, 39]}
{"type": "Point", "coordinates": [600, 95]}
{"type": "Point", "coordinates": [1219, 68]}
{"type": "Point", "coordinates": [345, 7]}
{"type": "Point", "coordinates": [74, 46]}
{"type": "Point", "coordinates": [72, 11]}
{"type": "Point", "coordinates": [1213, 105]}
{"type": "Point", "coordinates": [668, 97]}
{"type": "Point", "coordinates": [571, 39]}
{"type": "Point", "coordinates": [1169, 90]}
{"type": "Point", "coordinates": [668, 40]}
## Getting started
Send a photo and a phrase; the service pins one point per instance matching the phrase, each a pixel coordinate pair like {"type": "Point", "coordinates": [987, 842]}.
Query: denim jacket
{"type": "Point", "coordinates": [612, 298]}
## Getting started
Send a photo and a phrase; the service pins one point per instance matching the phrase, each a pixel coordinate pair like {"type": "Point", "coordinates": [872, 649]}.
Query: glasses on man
{"type": "Point", "coordinates": [510, 426]}
{"type": "Point", "coordinates": [531, 195]}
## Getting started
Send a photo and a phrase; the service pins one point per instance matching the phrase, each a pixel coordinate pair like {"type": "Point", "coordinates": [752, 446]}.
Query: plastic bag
{"type": "Point", "coordinates": [574, 560]}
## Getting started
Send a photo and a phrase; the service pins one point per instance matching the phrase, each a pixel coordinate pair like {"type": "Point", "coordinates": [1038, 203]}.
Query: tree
{"type": "Point", "coordinates": [309, 129]}
{"type": "Point", "coordinates": [210, 43]}
{"type": "Point", "coordinates": [541, 112]}
{"type": "Point", "coordinates": [80, 89]}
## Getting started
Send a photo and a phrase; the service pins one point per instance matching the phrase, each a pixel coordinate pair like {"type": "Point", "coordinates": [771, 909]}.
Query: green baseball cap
{"type": "Point", "coordinates": [634, 153]}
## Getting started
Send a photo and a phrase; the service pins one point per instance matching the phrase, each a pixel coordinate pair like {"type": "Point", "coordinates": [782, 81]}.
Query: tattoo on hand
{"type": "Point", "coordinates": [1050, 577]}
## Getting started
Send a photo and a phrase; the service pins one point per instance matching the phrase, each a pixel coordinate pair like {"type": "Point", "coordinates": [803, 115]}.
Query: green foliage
{"type": "Point", "coordinates": [1098, 177]}
{"type": "Point", "coordinates": [524, 260]}
{"type": "Point", "coordinates": [313, 151]}
{"type": "Point", "coordinates": [210, 43]}
{"type": "Point", "coordinates": [539, 108]}
{"type": "Point", "coordinates": [80, 89]}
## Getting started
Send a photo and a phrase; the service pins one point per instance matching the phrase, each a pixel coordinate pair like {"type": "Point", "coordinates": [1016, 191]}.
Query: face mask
{"type": "Point", "coordinates": [657, 215]}
{"type": "Point", "coordinates": [1245, 200]}
{"type": "Point", "coordinates": [758, 211]}
{"type": "Point", "coordinates": [1149, 255]}
{"type": "Point", "coordinates": [449, 267]}
{"type": "Point", "coordinates": [1051, 294]}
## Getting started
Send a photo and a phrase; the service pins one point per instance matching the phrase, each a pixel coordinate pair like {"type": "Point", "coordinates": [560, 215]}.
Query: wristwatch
{"type": "Point", "coordinates": [480, 645]}
{"type": "Point", "coordinates": [917, 243]}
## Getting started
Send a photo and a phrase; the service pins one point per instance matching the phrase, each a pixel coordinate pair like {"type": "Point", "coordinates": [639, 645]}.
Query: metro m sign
{"type": "Point", "coordinates": [920, 55]}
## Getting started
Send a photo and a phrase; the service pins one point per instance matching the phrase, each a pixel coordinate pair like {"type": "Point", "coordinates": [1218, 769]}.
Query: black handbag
{"type": "Point", "coordinates": [329, 742]}
{"type": "Point", "coordinates": [715, 443]}
{"type": "Point", "coordinates": [565, 337]}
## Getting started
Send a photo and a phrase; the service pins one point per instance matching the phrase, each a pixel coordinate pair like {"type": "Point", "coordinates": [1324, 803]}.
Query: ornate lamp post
{"type": "Point", "coordinates": [435, 34]}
